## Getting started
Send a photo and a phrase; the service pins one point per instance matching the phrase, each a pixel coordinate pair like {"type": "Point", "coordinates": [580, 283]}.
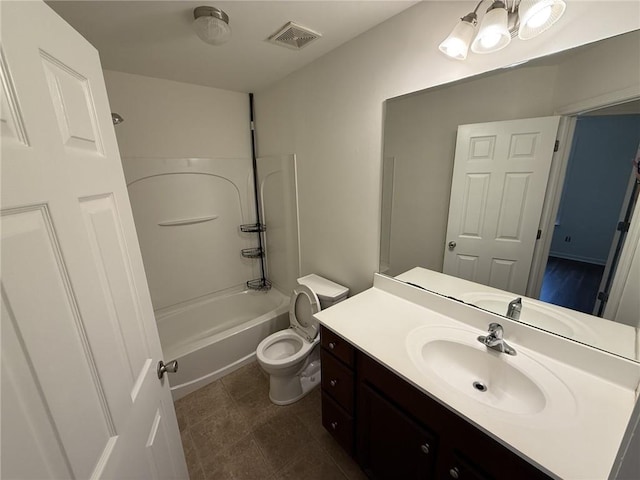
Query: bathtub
{"type": "Point", "coordinates": [211, 337]}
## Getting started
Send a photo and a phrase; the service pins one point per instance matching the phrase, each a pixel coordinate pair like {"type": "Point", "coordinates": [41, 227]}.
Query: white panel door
{"type": "Point", "coordinates": [80, 393]}
{"type": "Point", "coordinates": [499, 181]}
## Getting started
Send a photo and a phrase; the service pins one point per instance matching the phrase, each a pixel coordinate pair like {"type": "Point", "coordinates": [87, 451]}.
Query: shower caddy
{"type": "Point", "coordinates": [257, 252]}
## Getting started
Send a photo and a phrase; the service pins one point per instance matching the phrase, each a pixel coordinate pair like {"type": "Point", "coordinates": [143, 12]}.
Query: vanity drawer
{"type": "Point", "coordinates": [338, 423]}
{"type": "Point", "coordinates": [337, 346]}
{"type": "Point", "coordinates": [337, 381]}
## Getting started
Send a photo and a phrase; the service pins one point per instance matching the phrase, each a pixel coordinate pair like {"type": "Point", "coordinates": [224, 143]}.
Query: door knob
{"type": "Point", "coordinates": [452, 245]}
{"type": "Point", "coordinates": [170, 367]}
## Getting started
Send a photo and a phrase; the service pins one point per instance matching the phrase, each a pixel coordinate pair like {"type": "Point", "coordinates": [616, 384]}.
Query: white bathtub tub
{"type": "Point", "coordinates": [212, 337]}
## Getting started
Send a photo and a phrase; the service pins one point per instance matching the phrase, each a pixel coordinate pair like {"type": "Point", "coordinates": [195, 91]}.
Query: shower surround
{"type": "Point", "coordinates": [187, 213]}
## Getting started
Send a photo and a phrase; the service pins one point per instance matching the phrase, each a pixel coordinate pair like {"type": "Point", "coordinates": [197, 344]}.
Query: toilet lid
{"type": "Point", "coordinates": [304, 303]}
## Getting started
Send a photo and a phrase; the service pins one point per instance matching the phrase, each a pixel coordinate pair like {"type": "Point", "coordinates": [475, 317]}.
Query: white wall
{"type": "Point", "coordinates": [330, 115]}
{"type": "Point", "coordinates": [613, 56]}
{"type": "Point", "coordinates": [168, 119]}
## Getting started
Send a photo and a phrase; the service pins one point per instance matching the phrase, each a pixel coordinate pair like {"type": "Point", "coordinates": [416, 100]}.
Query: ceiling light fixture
{"type": "Point", "coordinates": [211, 25]}
{"type": "Point", "coordinates": [524, 18]}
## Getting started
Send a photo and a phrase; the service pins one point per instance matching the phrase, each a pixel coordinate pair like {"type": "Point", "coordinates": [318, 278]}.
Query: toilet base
{"type": "Point", "coordinates": [289, 389]}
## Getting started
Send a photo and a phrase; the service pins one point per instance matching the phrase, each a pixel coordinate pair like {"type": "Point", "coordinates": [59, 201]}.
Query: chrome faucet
{"type": "Point", "coordinates": [514, 309]}
{"type": "Point", "coordinates": [495, 341]}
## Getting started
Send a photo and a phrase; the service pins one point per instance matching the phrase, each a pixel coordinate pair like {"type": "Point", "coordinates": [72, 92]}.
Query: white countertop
{"type": "Point", "coordinates": [580, 443]}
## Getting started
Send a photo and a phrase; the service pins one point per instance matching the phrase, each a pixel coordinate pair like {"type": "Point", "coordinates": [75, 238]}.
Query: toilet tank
{"type": "Point", "coordinates": [328, 292]}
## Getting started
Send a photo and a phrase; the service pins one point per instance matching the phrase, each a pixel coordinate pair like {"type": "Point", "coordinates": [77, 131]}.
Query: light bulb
{"type": "Point", "coordinates": [536, 16]}
{"type": "Point", "coordinates": [539, 18]}
{"type": "Point", "coordinates": [455, 48]}
{"type": "Point", "coordinates": [490, 39]}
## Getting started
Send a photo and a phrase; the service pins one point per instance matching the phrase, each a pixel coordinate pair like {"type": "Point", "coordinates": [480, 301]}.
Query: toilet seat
{"type": "Point", "coordinates": [304, 304]}
{"type": "Point", "coordinates": [283, 336]}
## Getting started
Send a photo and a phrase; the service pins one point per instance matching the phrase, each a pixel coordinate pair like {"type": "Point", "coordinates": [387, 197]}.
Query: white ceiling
{"type": "Point", "coordinates": [155, 38]}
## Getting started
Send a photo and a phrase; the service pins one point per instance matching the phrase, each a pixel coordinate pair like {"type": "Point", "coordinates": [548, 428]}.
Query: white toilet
{"type": "Point", "coordinates": [291, 357]}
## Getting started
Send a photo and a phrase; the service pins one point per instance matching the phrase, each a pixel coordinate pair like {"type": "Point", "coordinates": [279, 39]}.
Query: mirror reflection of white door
{"type": "Point", "coordinates": [80, 394]}
{"type": "Point", "coordinates": [500, 177]}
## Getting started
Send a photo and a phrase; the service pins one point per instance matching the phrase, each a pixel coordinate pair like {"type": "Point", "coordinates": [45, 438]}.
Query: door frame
{"type": "Point", "coordinates": [617, 244]}
{"type": "Point", "coordinates": [555, 185]}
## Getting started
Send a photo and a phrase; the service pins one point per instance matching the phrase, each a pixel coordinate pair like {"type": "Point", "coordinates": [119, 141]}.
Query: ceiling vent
{"type": "Point", "coordinates": [294, 36]}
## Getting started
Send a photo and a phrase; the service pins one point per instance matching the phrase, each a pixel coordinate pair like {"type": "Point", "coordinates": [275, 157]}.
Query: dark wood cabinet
{"type": "Point", "coordinates": [337, 358]}
{"type": "Point", "coordinates": [338, 423]}
{"type": "Point", "coordinates": [338, 347]}
{"type": "Point", "coordinates": [391, 444]}
{"type": "Point", "coordinates": [395, 431]}
{"type": "Point", "coordinates": [337, 381]}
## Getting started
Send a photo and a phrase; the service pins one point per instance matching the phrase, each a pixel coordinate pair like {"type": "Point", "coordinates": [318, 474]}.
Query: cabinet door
{"type": "Point", "coordinates": [455, 466]}
{"type": "Point", "coordinates": [391, 444]}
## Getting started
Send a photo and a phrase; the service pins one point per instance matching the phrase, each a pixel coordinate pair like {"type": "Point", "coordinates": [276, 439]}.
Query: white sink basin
{"type": "Point", "coordinates": [536, 314]}
{"type": "Point", "coordinates": [454, 362]}
{"type": "Point", "coordinates": [483, 375]}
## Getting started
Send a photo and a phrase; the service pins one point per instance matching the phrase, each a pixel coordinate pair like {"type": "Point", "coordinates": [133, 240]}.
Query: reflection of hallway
{"type": "Point", "coordinates": [571, 284]}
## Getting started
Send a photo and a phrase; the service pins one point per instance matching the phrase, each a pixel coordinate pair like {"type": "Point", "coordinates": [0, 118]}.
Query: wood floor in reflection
{"type": "Point", "coordinates": [571, 284]}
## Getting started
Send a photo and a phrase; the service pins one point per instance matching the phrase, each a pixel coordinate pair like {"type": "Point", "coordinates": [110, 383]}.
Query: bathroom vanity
{"type": "Point", "coordinates": [410, 392]}
{"type": "Point", "coordinates": [400, 431]}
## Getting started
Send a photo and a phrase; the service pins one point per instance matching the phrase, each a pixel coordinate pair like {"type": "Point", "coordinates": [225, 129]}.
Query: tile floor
{"type": "Point", "coordinates": [230, 430]}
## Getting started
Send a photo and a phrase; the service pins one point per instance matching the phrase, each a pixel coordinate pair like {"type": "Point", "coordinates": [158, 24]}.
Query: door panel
{"type": "Point", "coordinates": [501, 273]}
{"type": "Point", "coordinates": [499, 181]}
{"type": "Point", "coordinates": [31, 427]}
{"type": "Point", "coordinates": [475, 201]}
{"type": "Point", "coordinates": [31, 256]}
{"type": "Point", "coordinates": [512, 207]}
{"type": "Point", "coordinates": [75, 302]}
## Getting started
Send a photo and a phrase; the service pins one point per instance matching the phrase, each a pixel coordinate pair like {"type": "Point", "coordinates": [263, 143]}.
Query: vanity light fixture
{"type": "Point", "coordinates": [211, 25]}
{"type": "Point", "coordinates": [502, 21]}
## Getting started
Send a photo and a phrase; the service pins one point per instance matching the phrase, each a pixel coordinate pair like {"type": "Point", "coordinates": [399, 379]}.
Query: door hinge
{"type": "Point", "coordinates": [253, 125]}
{"type": "Point", "coordinates": [539, 235]}
{"type": "Point", "coordinates": [603, 296]}
{"type": "Point", "coordinates": [623, 226]}
{"type": "Point", "coordinates": [556, 147]}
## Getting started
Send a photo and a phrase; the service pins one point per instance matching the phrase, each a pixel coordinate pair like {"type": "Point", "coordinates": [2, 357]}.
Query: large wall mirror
{"type": "Point", "coordinates": [568, 209]}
